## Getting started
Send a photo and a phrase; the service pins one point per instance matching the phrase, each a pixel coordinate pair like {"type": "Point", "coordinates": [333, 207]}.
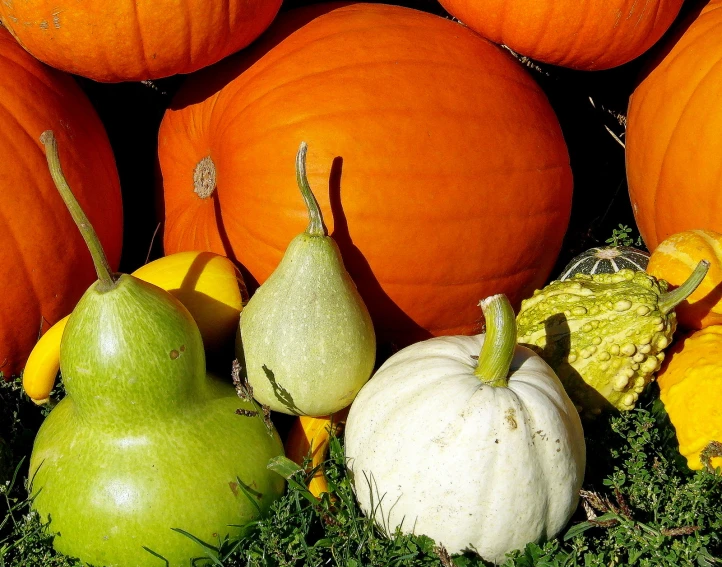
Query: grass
{"type": "Point", "coordinates": [640, 506]}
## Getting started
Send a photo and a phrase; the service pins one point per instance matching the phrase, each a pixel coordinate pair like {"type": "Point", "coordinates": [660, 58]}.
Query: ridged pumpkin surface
{"type": "Point", "coordinates": [582, 34]}
{"type": "Point", "coordinates": [44, 261]}
{"type": "Point", "coordinates": [129, 40]}
{"type": "Point", "coordinates": [674, 134]}
{"type": "Point", "coordinates": [676, 257]}
{"type": "Point", "coordinates": [690, 383]}
{"type": "Point", "coordinates": [437, 161]}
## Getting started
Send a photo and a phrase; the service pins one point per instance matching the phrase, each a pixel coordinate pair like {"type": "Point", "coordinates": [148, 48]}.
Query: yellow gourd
{"type": "Point", "coordinates": [690, 383]}
{"type": "Point", "coordinates": [310, 436]}
{"type": "Point", "coordinates": [209, 286]}
{"type": "Point", "coordinates": [672, 261]}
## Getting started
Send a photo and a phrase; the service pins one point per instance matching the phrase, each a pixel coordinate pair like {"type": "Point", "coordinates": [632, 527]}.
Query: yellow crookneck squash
{"type": "Point", "coordinates": [690, 382]}
{"type": "Point", "coordinates": [207, 284]}
{"type": "Point", "coordinates": [309, 437]}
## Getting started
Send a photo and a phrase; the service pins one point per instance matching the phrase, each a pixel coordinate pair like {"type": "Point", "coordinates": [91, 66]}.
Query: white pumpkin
{"type": "Point", "coordinates": [482, 452]}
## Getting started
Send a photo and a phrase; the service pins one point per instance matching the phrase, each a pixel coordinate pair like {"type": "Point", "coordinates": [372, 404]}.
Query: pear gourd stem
{"type": "Point", "coordinates": [670, 300]}
{"type": "Point", "coordinates": [315, 219]}
{"type": "Point", "coordinates": [497, 351]}
{"type": "Point", "coordinates": [102, 267]}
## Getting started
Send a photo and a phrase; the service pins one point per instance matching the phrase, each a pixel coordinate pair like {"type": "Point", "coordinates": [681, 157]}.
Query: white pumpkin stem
{"type": "Point", "coordinates": [102, 267]}
{"type": "Point", "coordinates": [670, 300]}
{"type": "Point", "coordinates": [497, 351]}
{"type": "Point", "coordinates": [315, 218]}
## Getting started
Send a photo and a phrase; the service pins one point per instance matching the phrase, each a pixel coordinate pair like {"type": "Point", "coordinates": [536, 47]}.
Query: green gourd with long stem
{"type": "Point", "coordinates": [306, 338]}
{"type": "Point", "coordinates": [145, 443]}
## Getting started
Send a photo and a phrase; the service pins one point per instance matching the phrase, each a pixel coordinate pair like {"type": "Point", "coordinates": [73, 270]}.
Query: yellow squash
{"type": "Point", "coordinates": [208, 284]}
{"type": "Point", "coordinates": [310, 436]}
{"type": "Point", "coordinates": [690, 383]}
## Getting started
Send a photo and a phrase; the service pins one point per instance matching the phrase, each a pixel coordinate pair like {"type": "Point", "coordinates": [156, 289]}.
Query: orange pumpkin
{"type": "Point", "coordinates": [45, 263]}
{"type": "Point", "coordinates": [582, 34]}
{"type": "Point", "coordinates": [673, 133]}
{"type": "Point", "coordinates": [675, 257]}
{"type": "Point", "coordinates": [114, 40]}
{"type": "Point", "coordinates": [437, 161]}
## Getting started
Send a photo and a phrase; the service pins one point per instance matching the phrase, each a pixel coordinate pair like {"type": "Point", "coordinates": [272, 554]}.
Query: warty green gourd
{"type": "Point", "coordinates": [604, 334]}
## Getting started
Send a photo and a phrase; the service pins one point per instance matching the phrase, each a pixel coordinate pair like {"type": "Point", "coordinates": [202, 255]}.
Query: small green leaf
{"type": "Point", "coordinates": [283, 466]}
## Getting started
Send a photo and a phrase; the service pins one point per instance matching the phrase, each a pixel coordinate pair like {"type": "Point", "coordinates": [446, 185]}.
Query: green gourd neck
{"type": "Point", "coordinates": [670, 300]}
{"type": "Point", "coordinates": [106, 279]}
{"type": "Point", "coordinates": [316, 226]}
{"type": "Point", "coordinates": [499, 345]}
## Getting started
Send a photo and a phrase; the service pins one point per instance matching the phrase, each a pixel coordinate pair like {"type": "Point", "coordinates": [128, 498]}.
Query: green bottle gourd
{"type": "Point", "coordinates": [306, 341]}
{"type": "Point", "coordinates": [144, 442]}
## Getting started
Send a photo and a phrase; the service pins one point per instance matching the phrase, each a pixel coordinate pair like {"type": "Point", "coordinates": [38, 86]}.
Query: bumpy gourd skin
{"type": "Point", "coordinates": [602, 334]}
{"type": "Point", "coordinates": [690, 382]}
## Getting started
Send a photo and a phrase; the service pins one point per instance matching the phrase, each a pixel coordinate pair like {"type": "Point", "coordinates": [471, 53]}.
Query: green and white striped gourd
{"type": "Point", "coordinates": [606, 260]}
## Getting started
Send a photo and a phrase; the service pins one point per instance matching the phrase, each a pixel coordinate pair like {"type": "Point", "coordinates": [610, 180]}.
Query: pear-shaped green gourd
{"type": "Point", "coordinates": [306, 338]}
{"type": "Point", "coordinates": [145, 442]}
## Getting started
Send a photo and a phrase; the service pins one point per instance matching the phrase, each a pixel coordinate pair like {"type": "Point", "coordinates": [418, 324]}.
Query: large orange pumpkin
{"type": "Point", "coordinates": [438, 162]}
{"type": "Point", "coordinates": [674, 134]}
{"type": "Point", "coordinates": [44, 261]}
{"type": "Point", "coordinates": [129, 40]}
{"type": "Point", "coordinates": [582, 34]}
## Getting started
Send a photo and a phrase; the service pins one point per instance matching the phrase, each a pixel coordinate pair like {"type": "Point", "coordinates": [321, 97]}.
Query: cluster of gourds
{"type": "Point", "coordinates": [441, 178]}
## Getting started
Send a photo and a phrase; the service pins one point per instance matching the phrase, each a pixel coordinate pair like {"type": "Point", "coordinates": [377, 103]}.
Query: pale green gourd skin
{"type": "Point", "coordinates": [308, 326]}
{"type": "Point", "coordinates": [145, 441]}
{"type": "Point", "coordinates": [603, 335]}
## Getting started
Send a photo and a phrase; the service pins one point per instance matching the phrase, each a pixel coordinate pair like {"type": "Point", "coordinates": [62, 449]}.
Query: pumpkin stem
{"type": "Point", "coordinates": [670, 300]}
{"type": "Point", "coordinates": [315, 219]}
{"type": "Point", "coordinates": [102, 267]}
{"type": "Point", "coordinates": [497, 351]}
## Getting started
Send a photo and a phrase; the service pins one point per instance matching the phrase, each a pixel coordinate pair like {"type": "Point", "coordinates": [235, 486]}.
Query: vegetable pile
{"type": "Point", "coordinates": [379, 325]}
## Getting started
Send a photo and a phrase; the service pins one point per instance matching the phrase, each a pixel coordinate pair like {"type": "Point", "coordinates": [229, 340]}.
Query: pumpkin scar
{"type": "Point", "coordinates": [204, 178]}
{"type": "Point", "coordinates": [510, 417]}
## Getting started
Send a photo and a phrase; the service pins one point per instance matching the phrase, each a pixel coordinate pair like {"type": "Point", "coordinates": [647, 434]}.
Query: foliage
{"type": "Point", "coordinates": [622, 236]}
{"type": "Point", "coordinates": [641, 506]}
